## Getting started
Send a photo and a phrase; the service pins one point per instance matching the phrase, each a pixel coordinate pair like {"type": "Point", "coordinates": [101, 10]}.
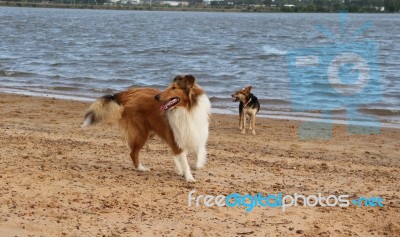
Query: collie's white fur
{"type": "Point", "coordinates": [190, 128]}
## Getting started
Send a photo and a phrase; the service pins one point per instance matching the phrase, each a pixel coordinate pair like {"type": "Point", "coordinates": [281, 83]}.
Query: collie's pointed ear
{"type": "Point", "coordinates": [249, 88]}
{"type": "Point", "coordinates": [189, 80]}
{"type": "Point", "coordinates": [177, 78]}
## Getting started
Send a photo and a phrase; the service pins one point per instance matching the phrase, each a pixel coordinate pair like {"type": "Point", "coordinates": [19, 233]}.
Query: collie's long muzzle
{"type": "Point", "coordinates": [169, 104]}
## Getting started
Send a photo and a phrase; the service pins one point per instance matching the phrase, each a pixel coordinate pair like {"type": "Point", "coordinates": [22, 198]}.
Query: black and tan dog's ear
{"type": "Point", "coordinates": [189, 79]}
{"type": "Point", "coordinates": [248, 88]}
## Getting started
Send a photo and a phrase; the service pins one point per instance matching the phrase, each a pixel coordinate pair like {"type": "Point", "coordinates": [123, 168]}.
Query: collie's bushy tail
{"type": "Point", "coordinates": [104, 109]}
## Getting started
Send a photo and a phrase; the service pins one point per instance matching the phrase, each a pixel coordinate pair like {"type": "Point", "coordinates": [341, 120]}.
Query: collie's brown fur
{"type": "Point", "coordinates": [138, 114]}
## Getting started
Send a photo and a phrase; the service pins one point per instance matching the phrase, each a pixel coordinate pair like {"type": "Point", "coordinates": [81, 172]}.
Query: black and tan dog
{"type": "Point", "coordinates": [248, 105]}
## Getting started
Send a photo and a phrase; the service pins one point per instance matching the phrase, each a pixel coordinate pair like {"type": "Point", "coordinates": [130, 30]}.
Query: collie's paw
{"type": "Point", "coordinates": [196, 167]}
{"type": "Point", "coordinates": [141, 168]}
{"type": "Point", "coordinates": [190, 180]}
{"type": "Point", "coordinates": [179, 172]}
{"type": "Point", "coordinates": [253, 132]}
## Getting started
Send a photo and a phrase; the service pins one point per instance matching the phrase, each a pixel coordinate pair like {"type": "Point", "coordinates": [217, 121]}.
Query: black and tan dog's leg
{"type": "Point", "coordinates": [243, 119]}
{"type": "Point", "coordinates": [253, 124]}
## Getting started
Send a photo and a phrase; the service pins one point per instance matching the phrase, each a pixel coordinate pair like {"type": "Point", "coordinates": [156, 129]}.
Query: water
{"type": "Point", "coordinates": [83, 54]}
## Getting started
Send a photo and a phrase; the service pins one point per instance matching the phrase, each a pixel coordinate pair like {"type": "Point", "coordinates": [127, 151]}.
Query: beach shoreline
{"type": "Point", "coordinates": [61, 179]}
{"type": "Point", "coordinates": [224, 109]}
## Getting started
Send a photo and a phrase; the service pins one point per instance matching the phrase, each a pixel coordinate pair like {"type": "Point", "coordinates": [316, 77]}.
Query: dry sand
{"type": "Point", "coordinates": [58, 179]}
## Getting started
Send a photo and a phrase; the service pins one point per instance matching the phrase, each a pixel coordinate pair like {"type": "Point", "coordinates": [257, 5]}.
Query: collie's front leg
{"type": "Point", "coordinates": [178, 165]}
{"type": "Point", "coordinates": [183, 165]}
{"type": "Point", "coordinates": [201, 158]}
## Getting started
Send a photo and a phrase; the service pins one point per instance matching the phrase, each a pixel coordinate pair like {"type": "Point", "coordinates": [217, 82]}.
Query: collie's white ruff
{"type": "Point", "coordinates": [190, 128]}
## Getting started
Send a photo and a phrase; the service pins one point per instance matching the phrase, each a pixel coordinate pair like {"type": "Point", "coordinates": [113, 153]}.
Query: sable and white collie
{"type": "Point", "coordinates": [179, 115]}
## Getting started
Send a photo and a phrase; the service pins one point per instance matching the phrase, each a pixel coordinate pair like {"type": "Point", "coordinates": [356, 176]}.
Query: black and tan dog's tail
{"type": "Point", "coordinates": [104, 109]}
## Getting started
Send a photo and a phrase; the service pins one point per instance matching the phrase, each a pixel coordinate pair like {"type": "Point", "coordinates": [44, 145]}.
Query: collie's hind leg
{"type": "Point", "coordinates": [135, 148]}
{"type": "Point", "coordinates": [201, 158]}
{"type": "Point", "coordinates": [182, 159]}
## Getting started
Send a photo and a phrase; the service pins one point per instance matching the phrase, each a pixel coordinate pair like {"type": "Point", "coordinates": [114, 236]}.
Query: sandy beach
{"type": "Point", "coordinates": [58, 179]}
